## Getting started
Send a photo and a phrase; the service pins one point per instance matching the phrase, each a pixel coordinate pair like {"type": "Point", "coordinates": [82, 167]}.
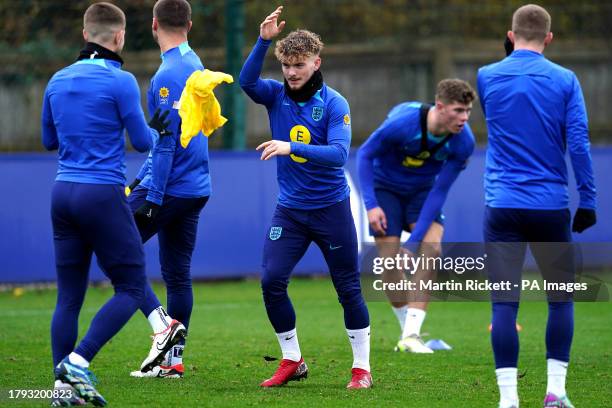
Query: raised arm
{"type": "Point", "coordinates": [260, 90]}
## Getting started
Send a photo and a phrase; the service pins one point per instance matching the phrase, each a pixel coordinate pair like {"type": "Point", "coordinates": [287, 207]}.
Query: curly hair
{"type": "Point", "coordinates": [298, 44]}
{"type": "Point", "coordinates": [455, 90]}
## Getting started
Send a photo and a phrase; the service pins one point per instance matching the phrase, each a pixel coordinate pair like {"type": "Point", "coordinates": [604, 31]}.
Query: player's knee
{"type": "Point", "coordinates": [506, 308]}
{"type": "Point", "coordinates": [179, 288]}
{"type": "Point", "coordinates": [273, 289]}
{"type": "Point", "coordinates": [350, 297]}
{"type": "Point", "coordinates": [70, 302]}
{"type": "Point", "coordinates": [133, 287]}
{"type": "Point", "coordinates": [431, 249]}
{"type": "Point", "coordinates": [177, 280]}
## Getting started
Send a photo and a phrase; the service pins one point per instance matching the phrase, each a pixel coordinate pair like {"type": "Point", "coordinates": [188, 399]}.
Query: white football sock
{"type": "Point", "coordinates": [74, 358]}
{"type": "Point", "coordinates": [360, 343]}
{"type": "Point", "coordinates": [557, 371]}
{"type": "Point", "coordinates": [159, 319]}
{"type": "Point", "coordinates": [400, 313]}
{"type": "Point", "coordinates": [414, 321]}
{"type": "Point", "coordinates": [506, 381]}
{"type": "Point", "coordinates": [288, 342]}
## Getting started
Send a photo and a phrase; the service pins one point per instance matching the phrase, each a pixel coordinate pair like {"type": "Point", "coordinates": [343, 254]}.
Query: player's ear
{"type": "Point", "coordinates": [548, 39]}
{"type": "Point", "coordinates": [510, 35]}
{"type": "Point", "coordinates": [317, 63]}
{"type": "Point", "coordinates": [189, 27]}
{"type": "Point", "coordinates": [85, 35]}
{"type": "Point", "coordinates": [119, 40]}
{"type": "Point", "coordinates": [154, 24]}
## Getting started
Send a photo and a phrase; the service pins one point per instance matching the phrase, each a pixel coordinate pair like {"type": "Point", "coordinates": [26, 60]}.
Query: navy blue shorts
{"type": "Point", "coordinates": [331, 228]}
{"type": "Point", "coordinates": [402, 210]}
{"type": "Point", "coordinates": [508, 232]}
{"type": "Point", "coordinates": [290, 234]}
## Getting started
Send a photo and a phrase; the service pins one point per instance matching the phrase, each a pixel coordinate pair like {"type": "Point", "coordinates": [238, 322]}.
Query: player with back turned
{"type": "Point", "coordinates": [170, 191]}
{"type": "Point", "coordinates": [86, 109]}
{"type": "Point", "coordinates": [535, 112]}
{"type": "Point", "coordinates": [311, 132]}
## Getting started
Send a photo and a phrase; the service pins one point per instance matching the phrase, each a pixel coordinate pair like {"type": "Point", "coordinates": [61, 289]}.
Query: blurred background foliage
{"type": "Point", "coordinates": [395, 50]}
{"type": "Point", "coordinates": [36, 33]}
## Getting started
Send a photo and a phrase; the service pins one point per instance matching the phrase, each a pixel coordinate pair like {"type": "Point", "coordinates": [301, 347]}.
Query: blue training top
{"type": "Point", "coordinates": [319, 131]}
{"type": "Point", "coordinates": [86, 108]}
{"type": "Point", "coordinates": [384, 161]}
{"type": "Point", "coordinates": [534, 111]}
{"type": "Point", "coordinates": [171, 169]}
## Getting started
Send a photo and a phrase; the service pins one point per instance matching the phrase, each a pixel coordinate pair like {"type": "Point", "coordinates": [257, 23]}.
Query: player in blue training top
{"type": "Point", "coordinates": [311, 128]}
{"type": "Point", "coordinates": [406, 168]}
{"type": "Point", "coordinates": [86, 108]}
{"type": "Point", "coordinates": [170, 191]}
{"type": "Point", "coordinates": [535, 111]}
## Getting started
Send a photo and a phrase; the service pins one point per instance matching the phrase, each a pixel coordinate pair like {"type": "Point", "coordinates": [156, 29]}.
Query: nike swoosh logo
{"type": "Point", "coordinates": [352, 337]}
{"type": "Point", "coordinates": [150, 213]}
{"type": "Point", "coordinates": [289, 338]}
{"type": "Point", "coordinates": [331, 247]}
{"type": "Point", "coordinates": [161, 343]}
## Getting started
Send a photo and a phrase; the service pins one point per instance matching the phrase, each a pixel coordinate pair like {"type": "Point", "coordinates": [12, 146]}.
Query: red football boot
{"type": "Point", "coordinates": [288, 370]}
{"type": "Point", "coordinates": [360, 379]}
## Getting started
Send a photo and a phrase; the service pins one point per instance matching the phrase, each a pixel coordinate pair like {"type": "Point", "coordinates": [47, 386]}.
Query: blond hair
{"type": "Point", "coordinates": [297, 45]}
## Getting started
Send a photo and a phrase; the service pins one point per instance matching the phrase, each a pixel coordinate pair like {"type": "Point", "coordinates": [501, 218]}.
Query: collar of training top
{"type": "Point", "coordinates": [93, 50]}
{"type": "Point", "coordinates": [308, 90]}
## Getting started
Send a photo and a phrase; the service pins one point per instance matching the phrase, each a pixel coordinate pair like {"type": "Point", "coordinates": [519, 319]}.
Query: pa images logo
{"type": "Point", "coordinates": [317, 113]}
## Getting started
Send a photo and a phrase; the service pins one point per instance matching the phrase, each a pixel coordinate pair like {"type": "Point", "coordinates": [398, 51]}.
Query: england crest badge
{"type": "Point", "coordinates": [317, 113]}
{"type": "Point", "coordinates": [275, 233]}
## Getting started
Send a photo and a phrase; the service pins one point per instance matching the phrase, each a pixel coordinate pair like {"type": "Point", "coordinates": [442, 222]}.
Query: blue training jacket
{"type": "Point", "coordinates": [535, 111]}
{"type": "Point", "coordinates": [319, 131]}
{"type": "Point", "coordinates": [383, 162]}
{"type": "Point", "coordinates": [86, 108]}
{"type": "Point", "coordinates": [171, 169]}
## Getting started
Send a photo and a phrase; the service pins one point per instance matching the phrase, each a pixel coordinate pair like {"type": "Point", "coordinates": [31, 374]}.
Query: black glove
{"type": "Point", "coordinates": [583, 219]}
{"type": "Point", "coordinates": [147, 212]}
{"type": "Point", "coordinates": [508, 46]}
{"type": "Point", "coordinates": [160, 123]}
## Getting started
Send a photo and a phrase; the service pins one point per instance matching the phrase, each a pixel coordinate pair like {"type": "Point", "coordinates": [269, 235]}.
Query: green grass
{"type": "Point", "coordinates": [230, 334]}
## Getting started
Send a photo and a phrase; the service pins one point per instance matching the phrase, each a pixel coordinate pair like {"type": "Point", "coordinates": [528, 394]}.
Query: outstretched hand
{"type": "Point", "coordinates": [269, 28]}
{"type": "Point", "coordinates": [273, 148]}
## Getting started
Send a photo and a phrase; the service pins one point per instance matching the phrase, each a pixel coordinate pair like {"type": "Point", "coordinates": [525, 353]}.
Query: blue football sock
{"type": "Point", "coordinates": [504, 337]}
{"type": "Point", "coordinates": [559, 330]}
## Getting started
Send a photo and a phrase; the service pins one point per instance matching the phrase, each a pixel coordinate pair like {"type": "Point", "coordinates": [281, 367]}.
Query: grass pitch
{"type": "Point", "coordinates": [230, 335]}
